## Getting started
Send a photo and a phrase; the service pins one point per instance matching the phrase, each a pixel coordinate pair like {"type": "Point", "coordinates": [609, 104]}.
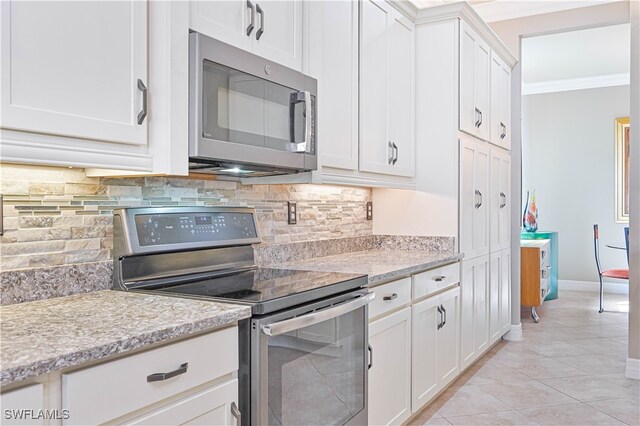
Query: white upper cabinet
{"type": "Point", "coordinates": [233, 22]}
{"type": "Point", "coordinates": [269, 28]}
{"type": "Point", "coordinates": [386, 90]}
{"type": "Point", "coordinates": [474, 83]}
{"type": "Point", "coordinates": [75, 69]}
{"type": "Point", "coordinates": [500, 131]}
{"type": "Point", "coordinates": [333, 60]}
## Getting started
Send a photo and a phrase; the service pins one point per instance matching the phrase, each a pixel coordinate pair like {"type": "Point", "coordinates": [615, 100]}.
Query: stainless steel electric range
{"type": "Point", "coordinates": [304, 353]}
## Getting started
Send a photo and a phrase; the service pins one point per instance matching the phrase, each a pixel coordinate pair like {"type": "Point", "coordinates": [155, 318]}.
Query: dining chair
{"type": "Point", "coordinates": [621, 274]}
{"type": "Point", "coordinates": [626, 241]}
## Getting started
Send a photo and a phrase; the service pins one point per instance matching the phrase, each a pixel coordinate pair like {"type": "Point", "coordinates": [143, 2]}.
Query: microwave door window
{"type": "Point", "coordinates": [233, 106]}
{"type": "Point", "coordinates": [241, 108]}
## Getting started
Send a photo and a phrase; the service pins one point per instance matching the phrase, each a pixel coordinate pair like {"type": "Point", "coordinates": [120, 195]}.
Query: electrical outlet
{"type": "Point", "coordinates": [292, 213]}
{"type": "Point", "coordinates": [369, 210]}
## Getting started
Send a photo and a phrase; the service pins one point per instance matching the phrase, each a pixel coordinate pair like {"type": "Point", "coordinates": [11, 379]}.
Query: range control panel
{"type": "Point", "coordinates": [172, 228]}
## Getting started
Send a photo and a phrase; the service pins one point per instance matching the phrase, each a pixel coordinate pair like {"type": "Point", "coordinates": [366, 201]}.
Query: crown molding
{"type": "Point", "coordinates": [502, 10]}
{"type": "Point", "coordinates": [462, 10]}
{"type": "Point", "coordinates": [565, 85]}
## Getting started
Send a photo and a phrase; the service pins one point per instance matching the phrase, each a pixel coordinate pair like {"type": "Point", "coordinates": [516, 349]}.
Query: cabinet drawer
{"type": "Point", "coordinates": [544, 289]}
{"type": "Point", "coordinates": [544, 256]}
{"type": "Point", "coordinates": [396, 293]}
{"type": "Point", "coordinates": [110, 390]}
{"type": "Point", "coordinates": [431, 281]}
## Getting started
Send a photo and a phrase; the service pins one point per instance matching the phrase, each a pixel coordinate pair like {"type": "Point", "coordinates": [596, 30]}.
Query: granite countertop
{"type": "Point", "coordinates": [47, 335]}
{"type": "Point", "coordinates": [380, 265]}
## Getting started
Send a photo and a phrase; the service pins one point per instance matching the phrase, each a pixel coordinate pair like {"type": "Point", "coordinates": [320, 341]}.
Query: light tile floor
{"type": "Point", "coordinates": [568, 370]}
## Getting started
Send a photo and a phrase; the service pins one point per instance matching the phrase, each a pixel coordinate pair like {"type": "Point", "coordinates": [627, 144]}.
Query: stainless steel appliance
{"type": "Point", "coordinates": [304, 353]}
{"type": "Point", "coordinates": [248, 116]}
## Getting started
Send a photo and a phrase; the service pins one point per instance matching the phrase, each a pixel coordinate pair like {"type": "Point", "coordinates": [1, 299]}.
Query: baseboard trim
{"type": "Point", "coordinates": [514, 334]}
{"type": "Point", "coordinates": [593, 286]}
{"type": "Point", "coordinates": [633, 368]}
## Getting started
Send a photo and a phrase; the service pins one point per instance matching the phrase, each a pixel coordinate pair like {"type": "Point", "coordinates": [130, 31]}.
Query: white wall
{"type": "Point", "coordinates": [568, 158]}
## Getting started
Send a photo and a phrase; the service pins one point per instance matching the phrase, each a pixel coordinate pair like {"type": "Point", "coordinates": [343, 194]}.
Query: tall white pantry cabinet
{"type": "Point", "coordinates": [457, 52]}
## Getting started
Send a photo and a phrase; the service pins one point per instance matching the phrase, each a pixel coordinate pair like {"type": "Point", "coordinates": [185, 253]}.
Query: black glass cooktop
{"type": "Point", "coordinates": [269, 290]}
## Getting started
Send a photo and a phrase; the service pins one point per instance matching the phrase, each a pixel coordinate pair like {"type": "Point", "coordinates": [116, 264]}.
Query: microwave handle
{"type": "Point", "coordinates": [305, 145]}
{"type": "Point", "coordinates": [307, 320]}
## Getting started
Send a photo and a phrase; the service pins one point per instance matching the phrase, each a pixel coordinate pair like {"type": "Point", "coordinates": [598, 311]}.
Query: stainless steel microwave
{"type": "Point", "coordinates": [248, 116]}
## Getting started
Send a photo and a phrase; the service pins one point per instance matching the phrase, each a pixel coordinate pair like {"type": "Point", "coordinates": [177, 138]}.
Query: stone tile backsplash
{"type": "Point", "coordinates": [59, 216]}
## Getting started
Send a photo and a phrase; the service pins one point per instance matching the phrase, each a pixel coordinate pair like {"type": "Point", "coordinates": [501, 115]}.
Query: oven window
{"type": "Point", "coordinates": [241, 108]}
{"type": "Point", "coordinates": [317, 374]}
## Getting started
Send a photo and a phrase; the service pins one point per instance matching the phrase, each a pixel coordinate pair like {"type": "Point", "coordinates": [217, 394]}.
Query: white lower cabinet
{"type": "Point", "coordinates": [133, 389]}
{"type": "Point", "coordinates": [435, 353]}
{"type": "Point", "coordinates": [505, 291]}
{"type": "Point", "coordinates": [474, 315]}
{"type": "Point", "coordinates": [16, 403]}
{"type": "Point", "coordinates": [390, 373]}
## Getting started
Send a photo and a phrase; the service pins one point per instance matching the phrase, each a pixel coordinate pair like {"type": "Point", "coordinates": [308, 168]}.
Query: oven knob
{"type": "Point", "coordinates": [267, 69]}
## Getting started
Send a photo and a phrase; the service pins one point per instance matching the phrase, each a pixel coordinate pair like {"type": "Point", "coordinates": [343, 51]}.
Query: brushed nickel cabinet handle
{"type": "Point", "coordinates": [370, 357]}
{"type": "Point", "coordinates": [439, 278]}
{"type": "Point", "coordinates": [158, 377]}
{"type": "Point", "coordinates": [441, 321]}
{"type": "Point", "coordinates": [143, 114]}
{"type": "Point", "coordinates": [252, 24]}
{"type": "Point", "coordinates": [261, 30]}
{"type": "Point", "coordinates": [392, 297]}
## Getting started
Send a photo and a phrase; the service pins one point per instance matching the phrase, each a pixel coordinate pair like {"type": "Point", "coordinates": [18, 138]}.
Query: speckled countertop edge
{"type": "Point", "coordinates": [40, 337]}
{"type": "Point", "coordinates": [379, 264]}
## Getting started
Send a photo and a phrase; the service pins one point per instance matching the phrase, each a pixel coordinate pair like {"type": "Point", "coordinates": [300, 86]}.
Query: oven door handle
{"type": "Point", "coordinates": [307, 320]}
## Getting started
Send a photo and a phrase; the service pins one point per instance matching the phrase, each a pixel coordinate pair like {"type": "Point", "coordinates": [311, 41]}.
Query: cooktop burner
{"type": "Point", "coordinates": [269, 289]}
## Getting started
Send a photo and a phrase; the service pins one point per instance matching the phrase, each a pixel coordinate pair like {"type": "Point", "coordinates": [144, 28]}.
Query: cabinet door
{"type": "Point", "coordinates": [481, 305]}
{"type": "Point", "coordinates": [468, 114]}
{"type": "Point", "coordinates": [495, 201]}
{"type": "Point", "coordinates": [425, 318]}
{"type": "Point", "coordinates": [481, 183]}
{"type": "Point", "coordinates": [376, 152]}
{"type": "Point", "coordinates": [226, 20]}
{"type": "Point", "coordinates": [467, 346]}
{"type": "Point", "coordinates": [481, 66]}
{"type": "Point", "coordinates": [495, 325]}
{"type": "Point", "coordinates": [72, 68]}
{"type": "Point", "coordinates": [495, 128]}
{"type": "Point", "coordinates": [468, 196]}
{"type": "Point", "coordinates": [448, 338]}
{"type": "Point", "coordinates": [278, 33]}
{"type": "Point", "coordinates": [401, 99]}
{"type": "Point", "coordinates": [212, 406]}
{"type": "Point", "coordinates": [333, 60]}
{"type": "Point", "coordinates": [390, 375]}
{"type": "Point", "coordinates": [505, 104]}
{"type": "Point", "coordinates": [26, 398]}
{"type": "Point", "coordinates": [505, 209]}
{"type": "Point", "coordinates": [505, 290]}
{"type": "Point", "coordinates": [474, 197]}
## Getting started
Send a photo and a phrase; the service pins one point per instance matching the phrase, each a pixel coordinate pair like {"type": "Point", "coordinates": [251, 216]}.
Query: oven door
{"type": "Point", "coordinates": [310, 364]}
